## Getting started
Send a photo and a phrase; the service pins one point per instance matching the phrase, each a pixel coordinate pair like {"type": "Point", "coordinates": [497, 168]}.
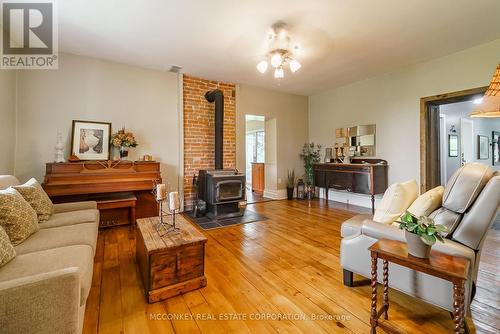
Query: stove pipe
{"type": "Point", "coordinates": [218, 97]}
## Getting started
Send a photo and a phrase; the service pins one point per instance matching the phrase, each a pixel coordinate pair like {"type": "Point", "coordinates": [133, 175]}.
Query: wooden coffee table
{"type": "Point", "coordinates": [171, 264]}
{"type": "Point", "coordinates": [444, 266]}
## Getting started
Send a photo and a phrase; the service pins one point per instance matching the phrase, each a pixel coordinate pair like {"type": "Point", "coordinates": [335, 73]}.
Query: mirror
{"type": "Point", "coordinates": [356, 141]}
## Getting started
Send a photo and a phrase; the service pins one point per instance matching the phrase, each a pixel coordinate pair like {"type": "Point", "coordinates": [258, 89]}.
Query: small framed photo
{"type": "Point", "coordinates": [483, 147]}
{"type": "Point", "coordinates": [90, 140]}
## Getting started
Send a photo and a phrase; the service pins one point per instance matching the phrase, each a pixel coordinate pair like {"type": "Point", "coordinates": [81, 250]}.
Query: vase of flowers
{"type": "Point", "coordinates": [123, 141]}
{"type": "Point", "coordinates": [421, 233]}
{"type": "Point", "coordinates": [290, 184]}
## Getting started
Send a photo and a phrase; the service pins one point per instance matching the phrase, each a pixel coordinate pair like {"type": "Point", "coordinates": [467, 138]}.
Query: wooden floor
{"type": "Point", "coordinates": [288, 266]}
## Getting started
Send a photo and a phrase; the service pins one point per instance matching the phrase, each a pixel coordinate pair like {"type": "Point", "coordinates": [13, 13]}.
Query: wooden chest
{"type": "Point", "coordinates": [171, 264]}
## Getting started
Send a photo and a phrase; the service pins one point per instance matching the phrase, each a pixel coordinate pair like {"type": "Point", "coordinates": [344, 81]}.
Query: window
{"type": "Point", "coordinates": [255, 146]}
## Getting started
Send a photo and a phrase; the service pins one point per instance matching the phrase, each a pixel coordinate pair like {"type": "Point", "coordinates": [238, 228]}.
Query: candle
{"type": "Point", "coordinates": [173, 200]}
{"type": "Point", "coordinates": [161, 192]}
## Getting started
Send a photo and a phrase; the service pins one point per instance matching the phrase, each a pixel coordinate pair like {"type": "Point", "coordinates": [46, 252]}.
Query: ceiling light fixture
{"type": "Point", "coordinates": [280, 55]}
{"type": "Point", "coordinates": [490, 104]}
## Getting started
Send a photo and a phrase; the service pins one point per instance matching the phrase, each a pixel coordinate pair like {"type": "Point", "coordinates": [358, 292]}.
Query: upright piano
{"type": "Point", "coordinates": [107, 182]}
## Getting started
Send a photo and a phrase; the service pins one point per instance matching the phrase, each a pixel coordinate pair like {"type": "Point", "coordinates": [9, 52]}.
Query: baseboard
{"type": "Point", "coordinates": [351, 198]}
{"type": "Point", "coordinates": [275, 194]}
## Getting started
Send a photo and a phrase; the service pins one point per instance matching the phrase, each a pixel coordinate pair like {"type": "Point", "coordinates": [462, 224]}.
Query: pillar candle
{"type": "Point", "coordinates": [161, 192]}
{"type": "Point", "coordinates": [173, 200]}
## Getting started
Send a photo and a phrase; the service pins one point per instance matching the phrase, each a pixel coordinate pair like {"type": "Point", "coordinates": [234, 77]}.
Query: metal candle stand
{"type": "Point", "coordinates": [169, 228]}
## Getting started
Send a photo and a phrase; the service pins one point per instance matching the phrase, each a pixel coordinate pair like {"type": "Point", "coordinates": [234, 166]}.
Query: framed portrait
{"type": "Point", "coordinates": [483, 147]}
{"type": "Point", "coordinates": [90, 140]}
{"type": "Point", "coordinates": [452, 145]}
{"type": "Point", "coordinates": [495, 144]}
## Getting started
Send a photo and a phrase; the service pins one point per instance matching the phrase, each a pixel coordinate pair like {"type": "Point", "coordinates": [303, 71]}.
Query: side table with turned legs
{"type": "Point", "coordinates": [451, 268]}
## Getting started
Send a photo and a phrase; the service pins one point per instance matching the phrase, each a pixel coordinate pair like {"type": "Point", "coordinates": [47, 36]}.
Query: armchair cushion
{"type": "Point", "coordinates": [465, 185]}
{"type": "Point", "coordinates": [397, 198]}
{"type": "Point", "coordinates": [448, 218]}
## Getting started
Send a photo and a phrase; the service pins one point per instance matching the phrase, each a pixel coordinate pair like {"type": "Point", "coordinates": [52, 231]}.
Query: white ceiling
{"type": "Point", "coordinates": [340, 41]}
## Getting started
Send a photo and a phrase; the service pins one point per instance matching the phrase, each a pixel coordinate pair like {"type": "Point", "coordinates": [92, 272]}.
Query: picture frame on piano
{"type": "Point", "coordinates": [90, 140]}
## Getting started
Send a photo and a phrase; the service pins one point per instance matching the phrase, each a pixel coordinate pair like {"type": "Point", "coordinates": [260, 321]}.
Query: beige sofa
{"type": "Point", "coordinates": [470, 203]}
{"type": "Point", "coordinates": [45, 287]}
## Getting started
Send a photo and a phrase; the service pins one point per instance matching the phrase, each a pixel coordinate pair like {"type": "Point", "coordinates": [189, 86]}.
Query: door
{"type": "Point", "coordinates": [466, 141]}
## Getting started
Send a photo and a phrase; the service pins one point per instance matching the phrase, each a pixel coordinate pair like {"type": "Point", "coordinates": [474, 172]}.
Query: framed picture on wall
{"type": "Point", "coordinates": [495, 144]}
{"type": "Point", "coordinates": [483, 147]}
{"type": "Point", "coordinates": [452, 145]}
{"type": "Point", "coordinates": [90, 140]}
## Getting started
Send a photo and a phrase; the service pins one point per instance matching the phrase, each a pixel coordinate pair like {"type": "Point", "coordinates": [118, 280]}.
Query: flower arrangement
{"type": "Point", "coordinates": [424, 227]}
{"type": "Point", "coordinates": [123, 139]}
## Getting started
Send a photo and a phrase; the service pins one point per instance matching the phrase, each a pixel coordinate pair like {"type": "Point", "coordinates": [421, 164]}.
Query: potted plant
{"type": "Point", "coordinates": [421, 233]}
{"type": "Point", "coordinates": [123, 140]}
{"type": "Point", "coordinates": [310, 155]}
{"type": "Point", "coordinates": [290, 184]}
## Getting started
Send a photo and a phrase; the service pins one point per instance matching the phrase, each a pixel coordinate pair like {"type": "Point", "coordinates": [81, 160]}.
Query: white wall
{"type": "Point", "coordinates": [144, 101]}
{"type": "Point", "coordinates": [7, 121]}
{"type": "Point", "coordinates": [392, 102]}
{"type": "Point", "coordinates": [290, 117]}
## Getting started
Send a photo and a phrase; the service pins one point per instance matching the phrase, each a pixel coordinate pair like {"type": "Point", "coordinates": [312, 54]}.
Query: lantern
{"type": "Point", "coordinates": [301, 189]}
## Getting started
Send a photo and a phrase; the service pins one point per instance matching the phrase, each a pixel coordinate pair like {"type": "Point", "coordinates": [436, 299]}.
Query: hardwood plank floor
{"type": "Point", "coordinates": [280, 271]}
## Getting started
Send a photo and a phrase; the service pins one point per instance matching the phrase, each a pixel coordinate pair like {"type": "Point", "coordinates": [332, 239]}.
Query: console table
{"type": "Point", "coordinates": [362, 176]}
{"type": "Point", "coordinates": [447, 267]}
{"type": "Point", "coordinates": [122, 189]}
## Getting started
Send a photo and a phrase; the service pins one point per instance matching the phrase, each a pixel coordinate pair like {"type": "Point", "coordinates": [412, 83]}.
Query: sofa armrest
{"type": "Point", "coordinates": [74, 206]}
{"type": "Point", "coordinates": [43, 303]}
{"type": "Point", "coordinates": [382, 231]}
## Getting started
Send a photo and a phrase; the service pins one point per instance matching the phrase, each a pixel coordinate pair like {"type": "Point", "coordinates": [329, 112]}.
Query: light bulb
{"type": "Point", "coordinates": [276, 60]}
{"type": "Point", "coordinates": [262, 66]}
{"type": "Point", "coordinates": [279, 73]}
{"type": "Point", "coordinates": [295, 65]}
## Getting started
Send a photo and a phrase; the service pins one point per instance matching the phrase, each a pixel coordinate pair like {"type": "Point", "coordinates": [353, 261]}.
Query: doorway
{"type": "Point", "coordinates": [449, 138]}
{"type": "Point", "coordinates": [255, 156]}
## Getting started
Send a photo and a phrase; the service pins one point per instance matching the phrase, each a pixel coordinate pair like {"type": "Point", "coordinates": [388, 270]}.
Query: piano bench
{"type": "Point", "coordinates": [116, 209]}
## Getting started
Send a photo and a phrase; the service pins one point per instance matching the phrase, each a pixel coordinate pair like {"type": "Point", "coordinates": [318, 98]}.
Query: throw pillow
{"type": "Point", "coordinates": [17, 217]}
{"type": "Point", "coordinates": [427, 203]}
{"type": "Point", "coordinates": [34, 194]}
{"type": "Point", "coordinates": [397, 198]}
{"type": "Point", "coordinates": [7, 251]}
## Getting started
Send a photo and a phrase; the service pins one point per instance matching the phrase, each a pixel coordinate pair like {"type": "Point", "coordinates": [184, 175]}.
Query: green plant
{"type": "Point", "coordinates": [310, 155]}
{"type": "Point", "coordinates": [424, 227]}
{"type": "Point", "coordinates": [291, 179]}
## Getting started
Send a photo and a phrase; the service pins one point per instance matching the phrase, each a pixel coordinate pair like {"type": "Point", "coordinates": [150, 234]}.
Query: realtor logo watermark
{"type": "Point", "coordinates": [29, 34]}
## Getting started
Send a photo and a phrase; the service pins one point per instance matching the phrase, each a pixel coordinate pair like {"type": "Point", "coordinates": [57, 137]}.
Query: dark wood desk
{"type": "Point", "coordinates": [97, 180]}
{"type": "Point", "coordinates": [362, 176]}
{"type": "Point", "coordinates": [451, 268]}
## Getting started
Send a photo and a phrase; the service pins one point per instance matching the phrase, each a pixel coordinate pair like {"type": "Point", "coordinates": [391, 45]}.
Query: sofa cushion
{"type": "Point", "coordinates": [17, 217]}
{"type": "Point", "coordinates": [448, 218]}
{"type": "Point", "coordinates": [465, 185]}
{"type": "Point", "coordinates": [397, 198]}
{"type": "Point", "coordinates": [47, 238]}
{"type": "Point", "coordinates": [74, 206]}
{"type": "Point", "coordinates": [353, 225]}
{"type": "Point", "coordinates": [428, 202]}
{"type": "Point", "coordinates": [8, 181]}
{"type": "Point", "coordinates": [7, 251]}
{"type": "Point", "coordinates": [71, 218]}
{"type": "Point", "coordinates": [80, 256]}
{"type": "Point", "coordinates": [34, 194]}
